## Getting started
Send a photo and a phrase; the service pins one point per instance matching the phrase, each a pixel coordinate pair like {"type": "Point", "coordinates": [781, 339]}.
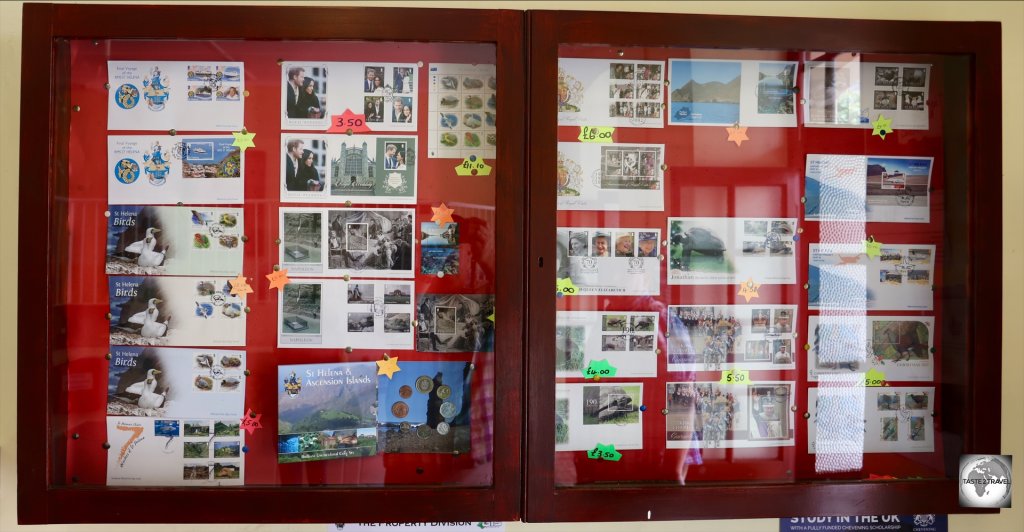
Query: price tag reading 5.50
{"type": "Point", "coordinates": [596, 134]}
{"type": "Point", "coordinates": [735, 376]}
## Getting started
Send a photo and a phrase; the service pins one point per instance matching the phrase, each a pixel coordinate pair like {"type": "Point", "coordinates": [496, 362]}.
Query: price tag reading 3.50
{"type": "Point", "coordinates": [604, 452]}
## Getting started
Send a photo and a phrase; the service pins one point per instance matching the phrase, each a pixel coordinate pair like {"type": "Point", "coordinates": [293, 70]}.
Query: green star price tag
{"type": "Point", "coordinates": [874, 378]}
{"type": "Point", "coordinates": [566, 287]}
{"type": "Point", "coordinates": [735, 376]}
{"type": "Point", "coordinates": [599, 368]}
{"type": "Point", "coordinates": [604, 452]}
{"type": "Point", "coordinates": [473, 165]}
{"type": "Point", "coordinates": [872, 248]}
{"type": "Point", "coordinates": [596, 134]}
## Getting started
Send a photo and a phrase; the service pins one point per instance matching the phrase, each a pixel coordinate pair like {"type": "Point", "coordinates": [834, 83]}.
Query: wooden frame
{"type": "Point", "coordinates": [42, 262]}
{"type": "Point", "coordinates": [971, 415]}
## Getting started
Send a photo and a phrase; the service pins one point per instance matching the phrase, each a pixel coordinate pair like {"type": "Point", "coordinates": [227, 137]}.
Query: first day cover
{"type": "Point", "coordinates": [900, 347]}
{"type": "Point", "coordinates": [621, 177]}
{"type": "Point", "coordinates": [146, 240]}
{"type": "Point", "coordinates": [602, 92]}
{"type": "Point", "coordinates": [850, 93]}
{"type": "Point", "coordinates": [610, 261]}
{"type": "Point", "coordinates": [627, 340]}
{"type": "Point", "coordinates": [162, 451]}
{"type": "Point", "coordinates": [335, 313]}
{"type": "Point", "coordinates": [587, 414]}
{"type": "Point", "coordinates": [166, 170]}
{"type": "Point", "coordinates": [185, 95]}
{"type": "Point", "coordinates": [385, 93]}
{"type": "Point", "coordinates": [850, 419]}
{"type": "Point", "coordinates": [175, 311]}
{"type": "Point", "coordinates": [731, 250]}
{"type": "Point", "coordinates": [163, 381]}
{"type": "Point", "coordinates": [712, 415]}
{"type": "Point", "coordinates": [867, 188]}
{"type": "Point", "coordinates": [843, 276]}
{"type": "Point", "coordinates": [348, 241]}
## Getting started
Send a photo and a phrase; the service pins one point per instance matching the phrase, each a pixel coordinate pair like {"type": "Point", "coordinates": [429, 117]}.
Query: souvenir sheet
{"type": "Point", "coordinates": [900, 347]}
{"type": "Point", "coordinates": [848, 418]}
{"type": "Point", "coordinates": [161, 169]}
{"type": "Point", "coordinates": [462, 111]}
{"type": "Point", "coordinates": [314, 92]}
{"type": "Point", "coordinates": [621, 177]}
{"type": "Point", "coordinates": [607, 92]}
{"type": "Point", "coordinates": [722, 337]}
{"type": "Point", "coordinates": [842, 276]}
{"type": "Point", "coordinates": [627, 340]}
{"type": "Point", "coordinates": [184, 95]}
{"type": "Point", "coordinates": [587, 414]}
{"type": "Point", "coordinates": [849, 93]}
{"type": "Point", "coordinates": [610, 260]}
{"type": "Point", "coordinates": [872, 188]}
{"type": "Point", "coordinates": [720, 92]}
{"type": "Point", "coordinates": [337, 314]}
{"type": "Point", "coordinates": [425, 408]}
{"type": "Point", "coordinates": [455, 323]}
{"type": "Point", "coordinates": [161, 381]}
{"type": "Point", "coordinates": [712, 415]}
{"type": "Point", "coordinates": [175, 311]}
{"type": "Point", "coordinates": [364, 169]}
{"type": "Point", "coordinates": [160, 451]}
{"type": "Point", "coordinates": [326, 411]}
{"type": "Point", "coordinates": [731, 250]}
{"type": "Point", "coordinates": [144, 240]}
{"type": "Point", "coordinates": [319, 242]}
{"type": "Point", "coordinates": [439, 248]}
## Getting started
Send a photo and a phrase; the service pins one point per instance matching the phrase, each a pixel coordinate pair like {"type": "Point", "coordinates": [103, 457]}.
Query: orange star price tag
{"type": "Point", "coordinates": [442, 215]}
{"type": "Point", "coordinates": [278, 279]}
{"type": "Point", "coordinates": [240, 286]}
{"type": "Point", "coordinates": [737, 134]}
{"type": "Point", "coordinates": [748, 289]}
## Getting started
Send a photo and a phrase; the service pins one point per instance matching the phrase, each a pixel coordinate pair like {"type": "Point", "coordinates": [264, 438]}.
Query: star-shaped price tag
{"type": "Point", "coordinates": [737, 134]}
{"type": "Point", "coordinates": [598, 369]}
{"type": "Point", "coordinates": [388, 366]}
{"type": "Point", "coordinates": [872, 248]}
{"type": "Point", "coordinates": [883, 126]}
{"type": "Point", "coordinates": [251, 421]}
{"type": "Point", "coordinates": [240, 286]}
{"type": "Point", "coordinates": [566, 287]}
{"type": "Point", "coordinates": [604, 452]}
{"type": "Point", "coordinates": [874, 378]}
{"type": "Point", "coordinates": [473, 165]}
{"type": "Point", "coordinates": [278, 279]}
{"type": "Point", "coordinates": [243, 139]}
{"type": "Point", "coordinates": [442, 215]}
{"type": "Point", "coordinates": [748, 289]}
{"type": "Point", "coordinates": [491, 317]}
{"type": "Point", "coordinates": [348, 121]}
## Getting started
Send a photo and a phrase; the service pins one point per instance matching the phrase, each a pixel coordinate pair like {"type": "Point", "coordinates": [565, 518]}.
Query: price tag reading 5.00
{"type": "Point", "coordinates": [596, 134]}
{"type": "Point", "coordinates": [735, 376]}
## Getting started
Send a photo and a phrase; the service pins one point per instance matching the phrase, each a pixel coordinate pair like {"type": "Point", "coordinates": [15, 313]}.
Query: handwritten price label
{"type": "Point", "coordinates": [604, 452]}
{"type": "Point", "coordinates": [735, 376]}
{"type": "Point", "coordinates": [473, 165]}
{"type": "Point", "coordinates": [872, 248]}
{"type": "Point", "coordinates": [348, 121]}
{"type": "Point", "coordinates": [874, 378]}
{"type": "Point", "coordinates": [251, 421]}
{"type": "Point", "coordinates": [566, 287]}
{"type": "Point", "coordinates": [599, 368]}
{"type": "Point", "coordinates": [596, 134]}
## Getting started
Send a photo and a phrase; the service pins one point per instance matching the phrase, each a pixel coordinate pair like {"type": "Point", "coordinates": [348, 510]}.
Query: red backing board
{"type": "Point", "coordinates": [85, 288]}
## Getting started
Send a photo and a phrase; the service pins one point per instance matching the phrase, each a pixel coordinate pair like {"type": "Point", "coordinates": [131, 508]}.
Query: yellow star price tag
{"type": "Point", "coordinates": [388, 366]}
{"type": "Point", "coordinates": [735, 376]}
{"type": "Point", "coordinates": [872, 248]}
{"type": "Point", "coordinates": [243, 139]}
{"type": "Point", "coordinates": [565, 287]}
{"type": "Point", "coordinates": [600, 134]}
{"type": "Point", "coordinates": [883, 126]}
{"type": "Point", "coordinates": [748, 289]}
{"type": "Point", "coordinates": [473, 165]}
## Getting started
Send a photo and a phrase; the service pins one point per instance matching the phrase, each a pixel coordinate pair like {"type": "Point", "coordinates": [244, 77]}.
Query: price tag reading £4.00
{"type": "Point", "coordinates": [599, 369]}
{"type": "Point", "coordinates": [735, 376]}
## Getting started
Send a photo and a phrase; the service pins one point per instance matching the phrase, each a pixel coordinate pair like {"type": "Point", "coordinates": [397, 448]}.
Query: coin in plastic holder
{"type": "Point", "coordinates": [405, 391]}
{"type": "Point", "coordinates": [400, 409]}
{"type": "Point", "coordinates": [424, 384]}
{"type": "Point", "coordinates": [442, 428]}
{"type": "Point", "coordinates": [444, 391]}
{"type": "Point", "coordinates": [423, 431]}
{"type": "Point", "coordinates": [447, 409]}
{"type": "Point", "coordinates": [405, 426]}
